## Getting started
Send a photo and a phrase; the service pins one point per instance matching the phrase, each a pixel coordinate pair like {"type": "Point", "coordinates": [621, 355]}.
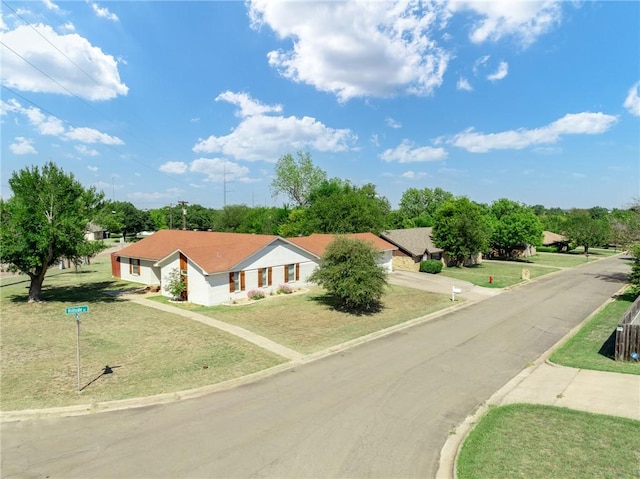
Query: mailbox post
{"type": "Point", "coordinates": [76, 310]}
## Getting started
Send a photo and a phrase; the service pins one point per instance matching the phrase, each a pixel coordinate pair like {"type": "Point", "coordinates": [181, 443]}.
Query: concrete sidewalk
{"type": "Point", "coordinates": [245, 334]}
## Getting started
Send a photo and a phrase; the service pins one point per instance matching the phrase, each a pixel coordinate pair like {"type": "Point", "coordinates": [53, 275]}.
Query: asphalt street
{"type": "Point", "coordinates": [382, 409]}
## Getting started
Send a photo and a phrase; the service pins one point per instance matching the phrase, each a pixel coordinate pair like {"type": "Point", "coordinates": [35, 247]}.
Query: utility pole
{"type": "Point", "coordinates": [184, 214]}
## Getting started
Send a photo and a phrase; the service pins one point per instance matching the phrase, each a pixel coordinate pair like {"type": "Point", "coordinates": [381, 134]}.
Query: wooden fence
{"type": "Point", "coordinates": [628, 334]}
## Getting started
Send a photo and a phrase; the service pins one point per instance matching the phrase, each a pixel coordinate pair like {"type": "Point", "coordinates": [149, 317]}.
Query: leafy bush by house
{"type": "Point", "coordinates": [547, 249]}
{"type": "Point", "coordinates": [255, 294]}
{"type": "Point", "coordinates": [432, 266]}
{"type": "Point", "coordinates": [285, 289]}
{"type": "Point", "coordinates": [175, 284]}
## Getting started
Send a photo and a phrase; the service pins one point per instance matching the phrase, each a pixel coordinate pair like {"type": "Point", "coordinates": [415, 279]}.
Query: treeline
{"type": "Point", "coordinates": [317, 204]}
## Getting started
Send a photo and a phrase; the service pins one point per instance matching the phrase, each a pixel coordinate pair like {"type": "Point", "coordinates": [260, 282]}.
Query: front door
{"type": "Point", "coordinates": [185, 277]}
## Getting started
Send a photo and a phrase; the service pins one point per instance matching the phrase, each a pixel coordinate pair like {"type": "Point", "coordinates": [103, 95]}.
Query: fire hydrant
{"type": "Point", "coordinates": [490, 279]}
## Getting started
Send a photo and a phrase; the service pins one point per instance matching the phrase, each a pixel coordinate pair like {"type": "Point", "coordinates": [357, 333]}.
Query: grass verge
{"type": "Point", "coordinates": [149, 352]}
{"type": "Point", "coordinates": [593, 346]}
{"type": "Point", "coordinates": [308, 323]}
{"type": "Point", "coordinates": [531, 441]}
{"type": "Point", "coordinates": [504, 273]}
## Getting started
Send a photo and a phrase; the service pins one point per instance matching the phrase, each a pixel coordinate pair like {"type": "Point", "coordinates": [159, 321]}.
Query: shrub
{"type": "Point", "coordinates": [285, 289]}
{"type": "Point", "coordinates": [175, 284]}
{"type": "Point", "coordinates": [432, 266]}
{"type": "Point", "coordinates": [255, 294]}
{"type": "Point", "coordinates": [547, 249]}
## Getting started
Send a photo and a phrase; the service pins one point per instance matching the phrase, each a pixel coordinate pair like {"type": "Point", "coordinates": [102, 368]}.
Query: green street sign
{"type": "Point", "coordinates": [76, 310]}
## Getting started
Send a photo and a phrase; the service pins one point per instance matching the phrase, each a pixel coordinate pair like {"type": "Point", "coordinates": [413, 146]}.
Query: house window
{"type": "Point", "coordinates": [264, 277]}
{"type": "Point", "coordinates": [292, 273]}
{"type": "Point", "coordinates": [236, 281]}
{"type": "Point", "coordinates": [134, 267]}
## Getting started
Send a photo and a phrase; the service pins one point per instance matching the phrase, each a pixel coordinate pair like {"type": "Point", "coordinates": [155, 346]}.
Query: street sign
{"type": "Point", "coordinates": [76, 310]}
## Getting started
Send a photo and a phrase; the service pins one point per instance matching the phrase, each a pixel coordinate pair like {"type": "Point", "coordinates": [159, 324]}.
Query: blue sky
{"type": "Point", "coordinates": [156, 102]}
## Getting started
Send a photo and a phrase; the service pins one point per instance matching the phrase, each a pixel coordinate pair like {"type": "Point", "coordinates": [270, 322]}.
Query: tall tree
{"type": "Point", "coordinates": [418, 206]}
{"type": "Point", "coordinates": [514, 225]}
{"type": "Point", "coordinates": [349, 271]}
{"type": "Point", "coordinates": [462, 229]}
{"type": "Point", "coordinates": [43, 221]}
{"type": "Point", "coordinates": [296, 178]}
{"type": "Point", "coordinates": [585, 231]}
{"type": "Point", "coordinates": [338, 206]}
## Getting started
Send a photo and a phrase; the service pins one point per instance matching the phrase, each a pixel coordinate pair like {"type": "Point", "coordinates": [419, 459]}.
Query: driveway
{"type": "Point", "coordinates": [382, 409]}
{"type": "Point", "coordinates": [437, 283]}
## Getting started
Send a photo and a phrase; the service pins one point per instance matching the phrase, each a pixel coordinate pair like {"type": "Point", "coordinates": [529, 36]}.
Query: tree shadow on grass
{"type": "Point", "coordinates": [332, 302]}
{"type": "Point", "coordinates": [97, 292]}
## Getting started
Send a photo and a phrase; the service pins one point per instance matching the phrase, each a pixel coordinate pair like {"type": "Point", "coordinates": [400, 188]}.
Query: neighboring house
{"type": "Point", "coordinates": [317, 243]}
{"type": "Point", "coordinates": [551, 239]}
{"type": "Point", "coordinates": [414, 245]}
{"type": "Point", "coordinates": [218, 267]}
{"type": "Point", "coordinates": [93, 232]}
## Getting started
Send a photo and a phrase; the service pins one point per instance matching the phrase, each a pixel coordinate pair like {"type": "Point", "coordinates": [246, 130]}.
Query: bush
{"type": "Point", "coordinates": [285, 289]}
{"type": "Point", "coordinates": [432, 266]}
{"type": "Point", "coordinates": [255, 294]}
{"type": "Point", "coordinates": [175, 284]}
{"type": "Point", "coordinates": [547, 249]}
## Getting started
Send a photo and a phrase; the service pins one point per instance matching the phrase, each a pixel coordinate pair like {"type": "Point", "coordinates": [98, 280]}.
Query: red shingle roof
{"type": "Point", "coordinates": [317, 243]}
{"type": "Point", "coordinates": [214, 252]}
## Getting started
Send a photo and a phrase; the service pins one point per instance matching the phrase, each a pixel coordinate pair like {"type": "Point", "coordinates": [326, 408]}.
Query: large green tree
{"type": "Point", "coordinates": [462, 229]}
{"type": "Point", "coordinates": [418, 206]}
{"type": "Point", "coordinates": [296, 178]}
{"type": "Point", "coordinates": [583, 230]}
{"type": "Point", "coordinates": [338, 206]}
{"type": "Point", "coordinates": [44, 220]}
{"type": "Point", "coordinates": [514, 225]}
{"type": "Point", "coordinates": [350, 272]}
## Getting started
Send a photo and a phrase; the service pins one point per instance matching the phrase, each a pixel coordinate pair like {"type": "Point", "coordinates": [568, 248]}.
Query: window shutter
{"type": "Point", "coordinates": [130, 266]}
{"type": "Point", "coordinates": [297, 271]}
{"type": "Point", "coordinates": [231, 283]}
{"type": "Point", "coordinates": [269, 277]}
{"type": "Point", "coordinates": [260, 270]}
{"type": "Point", "coordinates": [286, 273]}
{"type": "Point", "coordinates": [241, 280]}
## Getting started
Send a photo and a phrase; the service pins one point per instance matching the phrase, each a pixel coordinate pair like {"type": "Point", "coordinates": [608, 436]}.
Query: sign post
{"type": "Point", "coordinates": [76, 310]}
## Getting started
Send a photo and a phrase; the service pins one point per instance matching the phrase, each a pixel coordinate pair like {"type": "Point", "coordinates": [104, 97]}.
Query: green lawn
{"type": "Point", "coordinates": [504, 273]}
{"type": "Point", "coordinates": [307, 323]}
{"type": "Point", "coordinates": [592, 347]}
{"type": "Point", "coordinates": [150, 352]}
{"type": "Point", "coordinates": [531, 441]}
{"type": "Point", "coordinates": [558, 260]}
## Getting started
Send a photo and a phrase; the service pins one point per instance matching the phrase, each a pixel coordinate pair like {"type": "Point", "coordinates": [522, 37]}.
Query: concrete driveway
{"type": "Point", "coordinates": [437, 283]}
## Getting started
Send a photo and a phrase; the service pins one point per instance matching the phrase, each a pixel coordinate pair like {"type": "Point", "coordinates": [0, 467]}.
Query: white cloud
{"type": "Point", "coordinates": [83, 150]}
{"type": "Point", "coordinates": [522, 20]}
{"type": "Point", "coordinates": [219, 169]}
{"type": "Point", "coordinates": [177, 167]}
{"type": "Point", "coordinates": [90, 135]}
{"type": "Point", "coordinates": [92, 168]}
{"type": "Point", "coordinates": [103, 12]}
{"type": "Point", "coordinates": [248, 106]}
{"type": "Point", "coordinates": [195, 120]}
{"type": "Point", "coordinates": [22, 146]}
{"type": "Point", "coordinates": [391, 123]}
{"type": "Point", "coordinates": [50, 5]}
{"type": "Point", "coordinates": [632, 102]}
{"type": "Point", "coordinates": [374, 140]}
{"type": "Point", "coordinates": [410, 175]}
{"type": "Point", "coordinates": [171, 193]}
{"type": "Point", "coordinates": [357, 49]}
{"type": "Point", "coordinates": [101, 83]}
{"type": "Point", "coordinates": [571, 124]}
{"type": "Point", "coordinates": [500, 73]}
{"type": "Point", "coordinates": [463, 84]}
{"type": "Point", "coordinates": [69, 27]}
{"type": "Point", "coordinates": [406, 153]}
{"type": "Point", "coordinates": [264, 137]}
